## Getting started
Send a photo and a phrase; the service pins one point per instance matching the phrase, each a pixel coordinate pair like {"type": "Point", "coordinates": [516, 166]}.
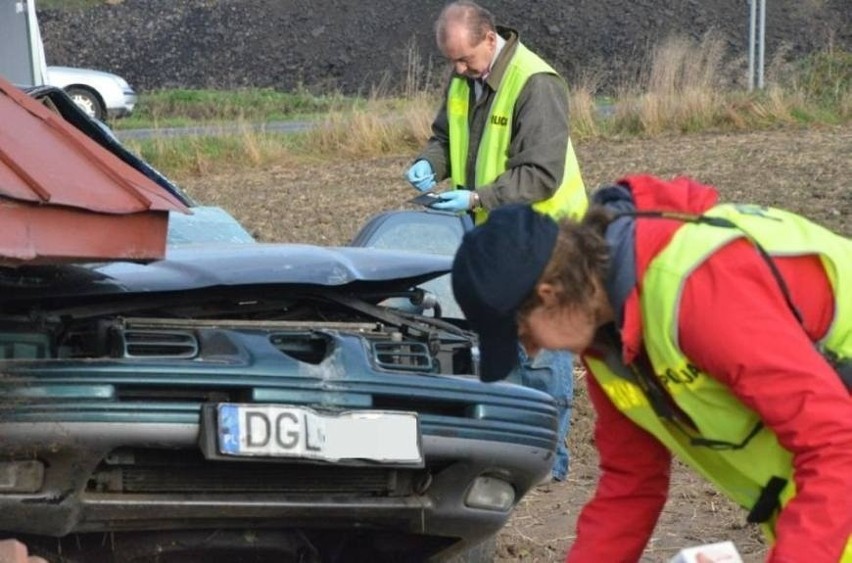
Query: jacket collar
{"type": "Point", "coordinates": [499, 66]}
{"type": "Point", "coordinates": [621, 237]}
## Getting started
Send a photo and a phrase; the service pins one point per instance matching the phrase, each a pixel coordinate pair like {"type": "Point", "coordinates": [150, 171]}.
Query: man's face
{"type": "Point", "coordinates": [468, 59]}
{"type": "Point", "coordinates": [555, 325]}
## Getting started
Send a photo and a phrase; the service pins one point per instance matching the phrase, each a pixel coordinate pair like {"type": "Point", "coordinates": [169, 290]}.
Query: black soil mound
{"type": "Point", "coordinates": [361, 45]}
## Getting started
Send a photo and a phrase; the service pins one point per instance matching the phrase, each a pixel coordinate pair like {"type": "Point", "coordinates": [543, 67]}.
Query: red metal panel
{"type": "Point", "coordinates": [64, 197]}
{"type": "Point", "coordinates": [35, 234]}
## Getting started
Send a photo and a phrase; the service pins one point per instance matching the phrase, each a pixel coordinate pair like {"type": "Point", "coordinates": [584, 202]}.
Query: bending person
{"type": "Point", "coordinates": [719, 334]}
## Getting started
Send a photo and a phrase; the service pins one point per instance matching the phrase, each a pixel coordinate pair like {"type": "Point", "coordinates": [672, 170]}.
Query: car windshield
{"type": "Point", "coordinates": [420, 231]}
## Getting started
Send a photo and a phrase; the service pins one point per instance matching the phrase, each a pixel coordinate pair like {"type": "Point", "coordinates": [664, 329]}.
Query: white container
{"type": "Point", "coordinates": [722, 552]}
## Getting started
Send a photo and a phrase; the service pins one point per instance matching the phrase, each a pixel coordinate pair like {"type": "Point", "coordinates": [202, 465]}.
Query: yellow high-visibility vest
{"type": "Point", "coordinates": [493, 152]}
{"type": "Point", "coordinates": [741, 473]}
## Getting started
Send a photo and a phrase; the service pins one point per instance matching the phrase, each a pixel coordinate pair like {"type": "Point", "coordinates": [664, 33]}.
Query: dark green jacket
{"type": "Point", "coordinates": [537, 152]}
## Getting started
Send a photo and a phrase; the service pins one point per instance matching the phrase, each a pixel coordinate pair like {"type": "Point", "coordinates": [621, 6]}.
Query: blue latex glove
{"type": "Point", "coordinates": [455, 200]}
{"type": "Point", "coordinates": [421, 175]}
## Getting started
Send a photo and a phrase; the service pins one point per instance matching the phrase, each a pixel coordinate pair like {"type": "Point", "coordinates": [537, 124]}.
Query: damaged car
{"type": "Point", "coordinates": [244, 401]}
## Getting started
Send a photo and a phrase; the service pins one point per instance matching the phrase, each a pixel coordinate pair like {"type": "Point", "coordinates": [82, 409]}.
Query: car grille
{"type": "Point", "coordinates": [153, 471]}
{"type": "Point", "coordinates": [403, 356]}
{"type": "Point", "coordinates": [303, 346]}
{"type": "Point", "coordinates": [158, 344]}
{"type": "Point", "coordinates": [163, 394]}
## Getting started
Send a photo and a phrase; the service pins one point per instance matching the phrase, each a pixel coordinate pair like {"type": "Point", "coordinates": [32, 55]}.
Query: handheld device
{"type": "Point", "coordinates": [426, 199]}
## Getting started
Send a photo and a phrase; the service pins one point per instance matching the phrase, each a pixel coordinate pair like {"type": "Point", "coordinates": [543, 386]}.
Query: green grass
{"type": "Point", "coordinates": [195, 155]}
{"type": "Point", "coordinates": [826, 76]}
{"type": "Point", "coordinates": [68, 4]}
{"type": "Point", "coordinates": [170, 108]}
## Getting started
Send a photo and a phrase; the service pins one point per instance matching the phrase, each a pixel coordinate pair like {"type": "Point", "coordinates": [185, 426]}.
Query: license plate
{"type": "Point", "coordinates": [299, 432]}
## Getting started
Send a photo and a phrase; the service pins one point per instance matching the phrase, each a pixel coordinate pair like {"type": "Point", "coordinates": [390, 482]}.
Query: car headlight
{"type": "Point", "coordinates": [122, 83]}
{"type": "Point", "coordinates": [490, 493]}
{"type": "Point", "coordinates": [21, 476]}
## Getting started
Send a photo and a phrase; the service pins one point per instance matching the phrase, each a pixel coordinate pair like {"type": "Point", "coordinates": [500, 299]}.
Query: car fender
{"type": "Point", "coordinates": [106, 85]}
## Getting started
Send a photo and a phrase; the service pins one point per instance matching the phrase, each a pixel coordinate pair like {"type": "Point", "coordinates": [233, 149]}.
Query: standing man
{"type": "Point", "coordinates": [502, 136]}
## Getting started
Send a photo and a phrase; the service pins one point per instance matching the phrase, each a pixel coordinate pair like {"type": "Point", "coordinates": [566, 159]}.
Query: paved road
{"type": "Point", "coordinates": [605, 110]}
{"type": "Point", "coordinates": [213, 130]}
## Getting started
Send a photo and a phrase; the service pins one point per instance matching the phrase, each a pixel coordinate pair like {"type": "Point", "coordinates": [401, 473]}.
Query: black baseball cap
{"type": "Point", "coordinates": [495, 269]}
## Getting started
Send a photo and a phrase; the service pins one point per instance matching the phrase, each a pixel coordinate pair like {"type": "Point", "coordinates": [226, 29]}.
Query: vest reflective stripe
{"type": "Point", "coordinates": [492, 155]}
{"type": "Point", "coordinates": [723, 468]}
{"type": "Point", "coordinates": [742, 473]}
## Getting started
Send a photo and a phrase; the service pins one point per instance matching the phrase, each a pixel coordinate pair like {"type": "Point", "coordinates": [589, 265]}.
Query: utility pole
{"type": "Point", "coordinates": [761, 42]}
{"type": "Point", "coordinates": [756, 42]}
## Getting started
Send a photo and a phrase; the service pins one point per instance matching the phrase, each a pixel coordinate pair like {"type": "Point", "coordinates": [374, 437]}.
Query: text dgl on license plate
{"type": "Point", "coordinates": [290, 431]}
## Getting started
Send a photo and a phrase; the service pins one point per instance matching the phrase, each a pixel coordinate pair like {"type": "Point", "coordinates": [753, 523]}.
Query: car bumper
{"type": "Point", "coordinates": [66, 502]}
{"type": "Point", "coordinates": [125, 108]}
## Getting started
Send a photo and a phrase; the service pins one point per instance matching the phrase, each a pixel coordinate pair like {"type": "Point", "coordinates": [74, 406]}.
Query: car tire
{"type": "Point", "coordinates": [88, 101]}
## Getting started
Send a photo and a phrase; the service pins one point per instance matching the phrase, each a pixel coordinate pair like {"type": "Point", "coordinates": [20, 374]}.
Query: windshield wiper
{"type": "Point", "coordinates": [411, 321]}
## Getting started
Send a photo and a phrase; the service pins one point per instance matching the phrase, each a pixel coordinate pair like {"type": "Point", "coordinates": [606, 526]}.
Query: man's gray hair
{"type": "Point", "coordinates": [474, 17]}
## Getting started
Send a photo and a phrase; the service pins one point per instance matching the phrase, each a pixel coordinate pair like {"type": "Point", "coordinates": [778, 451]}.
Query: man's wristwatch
{"type": "Point", "coordinates": [475, 202]}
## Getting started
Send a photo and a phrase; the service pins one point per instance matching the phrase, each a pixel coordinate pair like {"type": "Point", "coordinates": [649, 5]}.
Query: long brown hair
{"type": "Point", "coordinates": [579, 262]}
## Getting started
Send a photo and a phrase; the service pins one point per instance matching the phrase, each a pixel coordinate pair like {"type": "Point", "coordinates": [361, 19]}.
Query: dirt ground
{"type": "Point", "coordinates": [804, 170]}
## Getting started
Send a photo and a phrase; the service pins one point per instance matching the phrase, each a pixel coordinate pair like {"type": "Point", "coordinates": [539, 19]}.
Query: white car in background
{"type": "Point", "coordinates": [100, 94]}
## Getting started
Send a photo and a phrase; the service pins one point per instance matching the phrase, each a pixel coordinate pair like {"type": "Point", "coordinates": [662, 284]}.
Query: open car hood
{"type": "Point", "coordinates": [197, 267]}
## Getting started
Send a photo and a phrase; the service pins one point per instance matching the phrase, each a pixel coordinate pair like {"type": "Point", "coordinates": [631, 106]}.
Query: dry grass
{"type": "Point", "coordinates": [584, 110]}
{"type": "Point", "coordinates": [372, 130]}
{"type": "Point", "coordinates": [683, 87]}
{"type": "Point", "coordinates": [687, 87]}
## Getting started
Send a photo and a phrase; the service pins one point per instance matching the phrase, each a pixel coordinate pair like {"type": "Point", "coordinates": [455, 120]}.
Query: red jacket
{"type": "Point", "coordinates": [748, 339]}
